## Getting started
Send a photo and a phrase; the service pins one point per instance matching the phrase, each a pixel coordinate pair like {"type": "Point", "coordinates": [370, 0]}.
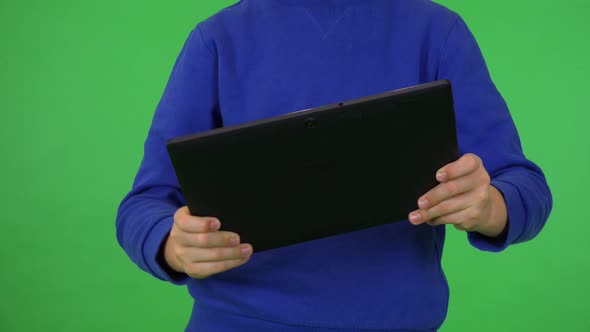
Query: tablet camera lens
{"type": "Point", "coordinates": [310, 123]}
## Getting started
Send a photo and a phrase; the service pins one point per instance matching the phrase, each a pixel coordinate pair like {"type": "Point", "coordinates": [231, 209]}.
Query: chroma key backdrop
{"type": "Point", "coordinates": [79, 83]}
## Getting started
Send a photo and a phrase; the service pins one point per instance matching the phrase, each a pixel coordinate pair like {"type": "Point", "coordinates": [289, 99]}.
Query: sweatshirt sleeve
{"type": "Point", "coordinates": [189, 104]}
{"type": "Point", "coordinates": [485, 128]}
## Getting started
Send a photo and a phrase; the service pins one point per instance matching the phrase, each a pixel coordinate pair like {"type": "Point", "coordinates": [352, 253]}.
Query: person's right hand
{"type": "Point", "coordinates": [196, 247]}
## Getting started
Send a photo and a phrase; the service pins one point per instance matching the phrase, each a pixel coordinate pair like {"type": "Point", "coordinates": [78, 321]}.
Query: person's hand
{"type": "Point", "coordinates": [196, 247]}
{"type": "Point", "coordinates": [463, 198]}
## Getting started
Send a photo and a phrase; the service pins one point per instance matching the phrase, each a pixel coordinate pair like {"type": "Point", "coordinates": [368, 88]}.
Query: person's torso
{"type": "Point", "coordinates": [278, 56]}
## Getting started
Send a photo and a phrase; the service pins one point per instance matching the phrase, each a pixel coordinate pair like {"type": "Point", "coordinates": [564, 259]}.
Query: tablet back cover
{"type": "Point", "coordinates": [323, 171]}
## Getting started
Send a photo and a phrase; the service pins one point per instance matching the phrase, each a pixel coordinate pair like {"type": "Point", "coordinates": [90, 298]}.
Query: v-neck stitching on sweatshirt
{"type": "Point", "coordinates": [327, 28]}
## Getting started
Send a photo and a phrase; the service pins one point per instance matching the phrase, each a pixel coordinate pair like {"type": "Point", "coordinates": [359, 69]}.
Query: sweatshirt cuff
{"type": "Point", "coordinates": [152, 250]}
{"type": "Point", "coordinates": [514, 226]}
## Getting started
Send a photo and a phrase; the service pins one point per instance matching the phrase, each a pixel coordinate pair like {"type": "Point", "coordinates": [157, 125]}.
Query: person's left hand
{"type": "Point", "coordinates": [463, 198]}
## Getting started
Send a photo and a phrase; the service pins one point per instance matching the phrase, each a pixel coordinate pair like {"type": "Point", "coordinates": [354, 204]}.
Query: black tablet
{"type": "Point", "coordinates": [320, 172]}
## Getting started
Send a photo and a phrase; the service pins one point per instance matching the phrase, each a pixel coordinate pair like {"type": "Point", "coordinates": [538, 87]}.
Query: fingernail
{"type": "Point", "coordinates": [246, 250]}
{"type": "Point", "coordinates": [441, 176]}
{"type": "Point", "coordinates": [414, 217]}
{"type": "Point", "coordinates": [423, 203]}
{"type": "Point", "coordinates": [234, 240]}
{"type": "Point", "coordinates": [214, 225]}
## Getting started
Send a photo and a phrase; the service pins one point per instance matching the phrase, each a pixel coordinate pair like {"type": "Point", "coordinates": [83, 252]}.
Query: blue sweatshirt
{"type": "Point", "coordinates": [260, 58]}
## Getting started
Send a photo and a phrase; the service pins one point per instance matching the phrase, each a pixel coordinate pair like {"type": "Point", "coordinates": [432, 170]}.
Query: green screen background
{"type": "Point", "coordinates": [80, 80]}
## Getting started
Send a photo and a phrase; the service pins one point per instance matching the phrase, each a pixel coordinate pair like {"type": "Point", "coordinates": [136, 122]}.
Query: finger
{"type": "Point", "coordinates": [212, 239]}
{"type": "Point", "coordinates": [193, 224]}
{"type": "Point", "coordinates": [204, 269]}
{"type": "Point", "coordinates": [462, 220]}
{"type": "Point", "coordinates": [468, 163]}
{"type": "Point", "coordinates": [219, 254]}
{"type": "Point", "coordinates": [448, 206]}
{"type": "Point", "coordinates": [447, 190]}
